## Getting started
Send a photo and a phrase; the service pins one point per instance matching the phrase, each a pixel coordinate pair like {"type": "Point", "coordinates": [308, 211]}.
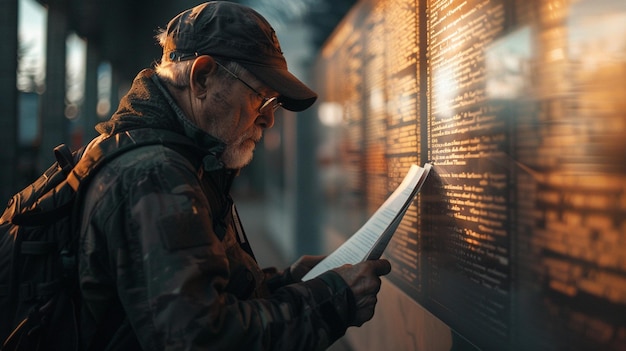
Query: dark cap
{"type": "Point", "coordinates": [238, 33]}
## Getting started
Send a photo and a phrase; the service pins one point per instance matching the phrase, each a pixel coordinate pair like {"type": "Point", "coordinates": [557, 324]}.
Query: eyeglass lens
{"type": "Point", "coordinates": [273, 101]}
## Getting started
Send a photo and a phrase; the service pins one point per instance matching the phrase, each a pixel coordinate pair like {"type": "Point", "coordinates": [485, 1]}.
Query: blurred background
{"type": "Point", "coordinates": [87, 53]}
{"type": "Point", "coordinates": [518, 239]}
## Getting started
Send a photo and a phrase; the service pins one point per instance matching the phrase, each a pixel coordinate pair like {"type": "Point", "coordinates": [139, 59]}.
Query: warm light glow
{"type": "Point", "coordinates": [377, 99]}
{"type": "Point", "coordinates": [444, 88]}
{"type": "Point", "coordinates": [520, 107]}
{"type": "Point", "coordinates": [330, 113]}
{"type": "Point", "coordinates": [508, 62]}
{"type": "Point", "coordinates": [71, 111]}
{"type": "Point", "coordinates": [103, 108]}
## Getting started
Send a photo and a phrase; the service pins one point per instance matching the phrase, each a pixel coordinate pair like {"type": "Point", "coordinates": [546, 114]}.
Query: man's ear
{"type": "Point", "coordinates": [202, 72]}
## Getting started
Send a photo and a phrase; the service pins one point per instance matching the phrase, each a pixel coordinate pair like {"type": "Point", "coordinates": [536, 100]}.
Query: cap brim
{"type": "Point", "coordinates": [294, 95]}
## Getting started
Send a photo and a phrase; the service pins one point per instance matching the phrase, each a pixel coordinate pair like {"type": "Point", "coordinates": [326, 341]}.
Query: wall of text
{"type": "Point", "coordinates": [518, 239]}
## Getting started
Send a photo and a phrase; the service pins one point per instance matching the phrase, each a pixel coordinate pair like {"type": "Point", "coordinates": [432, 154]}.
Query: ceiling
{"type": "Point", "coordinates": [123, 30]}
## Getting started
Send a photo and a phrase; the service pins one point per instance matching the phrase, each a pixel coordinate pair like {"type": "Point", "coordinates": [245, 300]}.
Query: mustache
{"type": "Point", "coordinates": [256, 135]}
{"type": "Point", "coordinates": [253, 135]}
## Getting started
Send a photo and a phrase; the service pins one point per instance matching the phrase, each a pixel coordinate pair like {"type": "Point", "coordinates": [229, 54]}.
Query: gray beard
{"type": "Point", "coordinates": [237, 155]}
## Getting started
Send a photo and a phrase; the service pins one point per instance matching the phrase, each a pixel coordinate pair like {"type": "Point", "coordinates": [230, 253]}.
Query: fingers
{"type": "Point", "coordinates": [369, 301]}
{"type": "Point", "coordinates": [314, 259]}
{"type": "Point", "coordinates": [309, 261]}
{"type": "Point", "coordinates": [364, 281]}
{"type": "Point", "coordinates": [381, 267]}
{"type": "Point", "coordinates": [364, 274]}
{"type": "Point", "coordinates": [303, 265]}
{"type": "Point", "coordinates": [365, 309]}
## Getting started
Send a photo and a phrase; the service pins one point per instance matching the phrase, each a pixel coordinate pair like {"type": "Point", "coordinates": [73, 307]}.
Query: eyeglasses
{"type": "Point", "coordinates": [268, 103]}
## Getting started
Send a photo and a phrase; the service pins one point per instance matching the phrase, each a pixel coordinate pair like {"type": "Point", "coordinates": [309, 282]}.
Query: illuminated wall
{"type": "Point", "coordinates": [518, 241]}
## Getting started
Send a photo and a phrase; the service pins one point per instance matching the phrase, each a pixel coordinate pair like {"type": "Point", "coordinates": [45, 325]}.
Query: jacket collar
{"type": "Point", "coordinates": [149, 104]}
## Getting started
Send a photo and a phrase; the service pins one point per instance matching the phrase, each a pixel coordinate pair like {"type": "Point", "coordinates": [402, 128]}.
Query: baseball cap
{"type": "Point", "coordinates": [238, 33]}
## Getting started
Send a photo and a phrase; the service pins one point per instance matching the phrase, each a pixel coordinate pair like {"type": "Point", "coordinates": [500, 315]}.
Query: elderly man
{"type": "Point", "coordinates": [163, 261]}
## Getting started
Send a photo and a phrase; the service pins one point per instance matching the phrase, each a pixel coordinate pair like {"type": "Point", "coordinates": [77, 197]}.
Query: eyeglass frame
{"type": "Point", "coordinates": [266, 101]}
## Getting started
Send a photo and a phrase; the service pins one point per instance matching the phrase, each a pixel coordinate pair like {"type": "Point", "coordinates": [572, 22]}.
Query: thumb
{"type": "Point", "coordinates": [381, 267]}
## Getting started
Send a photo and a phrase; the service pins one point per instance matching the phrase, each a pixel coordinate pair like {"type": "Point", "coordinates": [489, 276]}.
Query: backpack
{"type": "Point", "coordinates": [39, 295]}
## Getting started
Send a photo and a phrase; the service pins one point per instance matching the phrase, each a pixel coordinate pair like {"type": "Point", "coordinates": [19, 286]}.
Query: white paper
{"type": "Point", "coordinates": [372, 238]}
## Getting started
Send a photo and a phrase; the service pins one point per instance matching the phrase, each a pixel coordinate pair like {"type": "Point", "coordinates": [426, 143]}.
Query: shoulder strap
{"type": "Point", "coordinates": [116, 144]}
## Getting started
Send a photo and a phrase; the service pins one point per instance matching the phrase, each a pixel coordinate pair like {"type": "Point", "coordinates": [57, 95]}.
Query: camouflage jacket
{"type": "Point", "coordinates": [162, 263]}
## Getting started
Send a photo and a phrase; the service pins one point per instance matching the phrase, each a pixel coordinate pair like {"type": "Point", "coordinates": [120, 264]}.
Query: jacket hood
{"type": "Point", "coordinates": [143, 106]}
{"type": "Point", "coordinates": [148, 104]}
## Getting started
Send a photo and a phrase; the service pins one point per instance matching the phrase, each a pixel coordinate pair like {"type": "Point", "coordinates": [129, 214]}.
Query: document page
{"type": "Point", "coordinates": [372, 238]}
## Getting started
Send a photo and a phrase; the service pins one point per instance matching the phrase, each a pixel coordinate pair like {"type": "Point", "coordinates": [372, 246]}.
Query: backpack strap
{"type": "Point", "coordinates": [42, 218]}
{"type": "Point", "coordinates": [65, 158]}
{"type": "Point", "coordinates": [102, 152]}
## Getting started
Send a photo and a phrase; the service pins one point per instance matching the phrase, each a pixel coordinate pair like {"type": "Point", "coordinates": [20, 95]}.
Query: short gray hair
{"type": "Point", "coordinates": [177, 73]}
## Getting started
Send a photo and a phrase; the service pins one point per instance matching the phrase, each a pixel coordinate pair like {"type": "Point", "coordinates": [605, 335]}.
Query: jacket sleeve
{"type": "Point", "coordinates": [275, 279]}
{"type": "Point", "coordinates": [171, 272]}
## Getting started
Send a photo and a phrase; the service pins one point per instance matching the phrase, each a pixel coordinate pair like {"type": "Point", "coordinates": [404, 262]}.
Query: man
{"type": "Point", "coordinates": [163, 261]}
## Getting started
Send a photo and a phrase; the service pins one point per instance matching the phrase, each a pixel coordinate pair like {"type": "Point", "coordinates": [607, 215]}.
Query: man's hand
{"type": "Point", "coordinates": [363, 279]}
{"type": "Point", "coordinates": [303, 265]}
